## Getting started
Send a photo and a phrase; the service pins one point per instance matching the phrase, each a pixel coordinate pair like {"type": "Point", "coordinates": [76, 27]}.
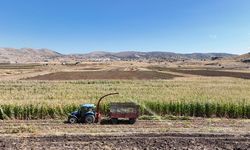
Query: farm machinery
{"type": "Point", "coordinates": [90, 113]}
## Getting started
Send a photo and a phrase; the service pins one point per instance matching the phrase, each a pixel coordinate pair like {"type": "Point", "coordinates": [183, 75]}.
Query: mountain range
{"type": "Point", "coordinates": [23, 55]}
{"type": "Point", "coordinates": [125, 55]}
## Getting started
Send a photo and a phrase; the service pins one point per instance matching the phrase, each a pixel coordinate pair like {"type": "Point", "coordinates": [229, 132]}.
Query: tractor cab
{"type": "Point", "coordinates": [87, 108]}
{"type": "Point", "coordinates": [85, 114]}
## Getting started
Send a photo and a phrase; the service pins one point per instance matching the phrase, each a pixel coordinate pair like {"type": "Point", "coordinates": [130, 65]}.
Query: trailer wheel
{"type": "Point", "coordinates": [132, 120]}
{"type": "Point", "coordinates": [89, 119]}
{"type": "Point", "coordinates": [114, 120]}
{"type": "Point", "coordinates": [72, 120]}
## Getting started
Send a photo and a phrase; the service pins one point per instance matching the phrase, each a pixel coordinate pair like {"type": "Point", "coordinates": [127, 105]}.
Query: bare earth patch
{"type": "Point", "coordinates": [206, 72]}
{"type": "Point", "coordinates": [114, 75]}
{"type": "Point", "coordinates": [126, 142]}
{"type": "Point", "coordinates": [168, 134]}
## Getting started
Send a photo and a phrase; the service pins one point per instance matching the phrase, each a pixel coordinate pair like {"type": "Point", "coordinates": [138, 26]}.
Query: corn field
{"type": "Point", "coordinates": [173, 108]}
{"type": "Point", "coordinates": [199, 97]}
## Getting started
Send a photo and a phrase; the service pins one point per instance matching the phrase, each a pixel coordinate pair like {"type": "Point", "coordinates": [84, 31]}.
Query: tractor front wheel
{"type": "Point", "coordinates": [132, 120]}
{"type": "Point", "coordinates": [89, 119]}
{"type": "Point", "coordinates": [72, 120]}
{"type": "Point", "coordinates": [114, 120]}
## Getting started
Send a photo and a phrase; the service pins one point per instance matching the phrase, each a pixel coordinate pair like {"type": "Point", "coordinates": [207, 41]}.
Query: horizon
{"type": "Point", "coordinates": [189, 26]}
{"type": "Point", "coordinates": [96, 51]}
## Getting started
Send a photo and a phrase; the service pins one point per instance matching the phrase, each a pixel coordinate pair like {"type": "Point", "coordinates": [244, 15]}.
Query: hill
{"type": "Point", "coordinates": [133, 55]}
{"type": "Point", "coordinates": [25, 55]}
{"type": "Point", "coordinates": [243, 58]}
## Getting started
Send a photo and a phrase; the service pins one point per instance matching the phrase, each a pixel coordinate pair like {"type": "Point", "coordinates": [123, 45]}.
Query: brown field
{"type": "Point", "coordinates": [89, 68]}
{"type": "Point", "coordinates": [171, 134]}
{"type": "Point", "coordinates": [127, 142]}
{"type": "Point", "coordinates": [19, 66]}
{"type": "Point", "coordinates": [112, 75]}
{"type": "Point", "coordinates": [206, 72]}
{"type": "Point", "coordinates": [120, 70]}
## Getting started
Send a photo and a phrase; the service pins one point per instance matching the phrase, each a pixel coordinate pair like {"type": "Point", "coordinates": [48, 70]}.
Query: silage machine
{"type": "Point", "coordinates": [90, 113]}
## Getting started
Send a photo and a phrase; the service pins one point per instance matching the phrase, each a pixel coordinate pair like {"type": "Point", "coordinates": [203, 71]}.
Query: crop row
{"type": "Point", "coordinates": [197, 109]}
{"type": "Point", "coordinates": [78, 92]}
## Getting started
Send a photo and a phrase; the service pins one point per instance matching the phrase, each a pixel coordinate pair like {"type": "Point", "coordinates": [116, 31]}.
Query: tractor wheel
{"type": "Point", "coordinates": [114, 120]}
{"type": "Point", "coordinates": [89, 119]}
{"type": "Point", "coordinates": [132, 120]}
{"type": "Point", "coordinates": [72, 120]}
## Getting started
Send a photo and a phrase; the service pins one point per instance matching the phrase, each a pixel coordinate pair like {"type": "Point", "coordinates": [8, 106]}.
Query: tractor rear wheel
{"type": "Point", "coordinates": [89, 119]}
{"type": "Point", "coordinates": [72, 120]}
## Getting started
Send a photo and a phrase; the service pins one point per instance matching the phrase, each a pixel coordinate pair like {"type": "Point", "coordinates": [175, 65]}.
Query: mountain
{"type": "Point", "coordinates": [208, 55]}
{"type": "Point", "coordinates": [24, 55]}
{"type": "Point", "coordinates": [243, 58]}
{"type": "Point", "coordinates": [133, 55]}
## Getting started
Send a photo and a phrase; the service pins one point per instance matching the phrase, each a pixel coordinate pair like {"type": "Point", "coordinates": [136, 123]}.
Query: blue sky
{"type": "Point", "coordinates": [79, 26]}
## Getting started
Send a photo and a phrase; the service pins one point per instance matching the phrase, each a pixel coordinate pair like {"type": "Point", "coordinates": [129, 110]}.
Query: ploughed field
{"type": "Point", "coordinates": [127, 142]}
{"type": "Point", "coordinates": [19, 66]}
{"type": "Point", "coordinates": [153, 73]}
{"type": "Point", "coordinates": [111, 75]}
{"type": "Point", "coordinates": [195, 133]}
{"type": "Point", "coordinates": [206, 72]}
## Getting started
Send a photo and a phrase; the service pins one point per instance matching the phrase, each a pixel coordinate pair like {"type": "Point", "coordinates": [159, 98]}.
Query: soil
{"type": "Point", "coordinates": [90, 68]}
{"type": "Point", "coordinates": [170, 134]}
{"type": "Point", "coordinates": [135, 141]}
{"type": "Point", "coordinates": [114, 75]}
{"type": "Point", "coordinates": [206, 72]}
{"type": "Point", "coordinates": [19, 66]}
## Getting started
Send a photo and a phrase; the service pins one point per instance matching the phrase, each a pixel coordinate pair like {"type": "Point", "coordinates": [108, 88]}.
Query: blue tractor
{"type": "Point", "coordinates": [87, 113]}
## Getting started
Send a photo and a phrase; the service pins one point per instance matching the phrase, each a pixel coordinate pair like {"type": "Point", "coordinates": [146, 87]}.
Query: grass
{"type": "Point", "coordinates": [201, 97]}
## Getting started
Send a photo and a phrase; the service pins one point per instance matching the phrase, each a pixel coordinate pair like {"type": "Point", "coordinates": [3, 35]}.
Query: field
{"type": "Point", "coordinates": [126, 142]}
{"type": "Point", "coordinates": [175, 97]}
{"type": "Point", "coordinates": [195, 133]}
{"type": "Point", "coordinates": [171, 97]}
{"type": "Point", "coordinates": [207, 72]}
{"type": "Point", "coordinates": [108, 75]}
{"type": "Point", "coordinates": [54, 95]}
